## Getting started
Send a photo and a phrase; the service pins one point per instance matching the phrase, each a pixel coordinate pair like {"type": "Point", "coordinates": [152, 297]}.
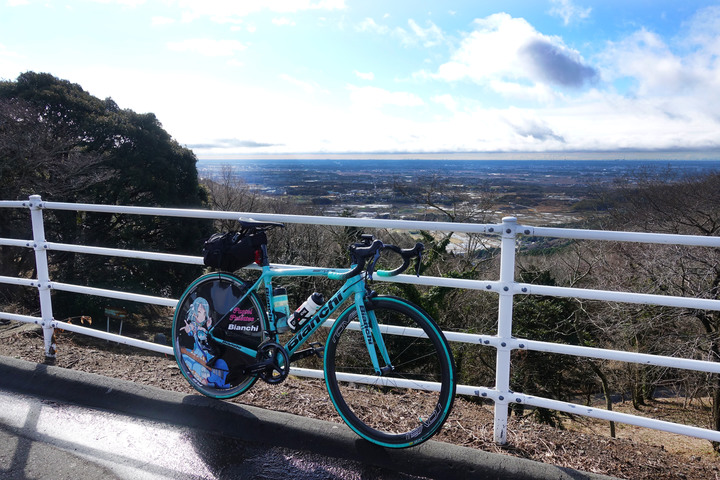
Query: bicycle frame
{"type": "Point", "coordinates": [353, 287]}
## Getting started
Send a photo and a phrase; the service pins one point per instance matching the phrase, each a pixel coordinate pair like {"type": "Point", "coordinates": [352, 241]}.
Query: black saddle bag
{"type": "Point", "coordinates": [231, 251]}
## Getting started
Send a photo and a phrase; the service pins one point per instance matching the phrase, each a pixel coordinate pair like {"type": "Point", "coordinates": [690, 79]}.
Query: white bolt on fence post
{"type": "Point", "coordinates": [505, 315]}
{"type": "Point", "coordinates": [41, 263]}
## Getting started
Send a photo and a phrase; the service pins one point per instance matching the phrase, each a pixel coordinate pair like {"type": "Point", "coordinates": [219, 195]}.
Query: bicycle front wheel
{"type": "Point", "coordinates": [410, 401]}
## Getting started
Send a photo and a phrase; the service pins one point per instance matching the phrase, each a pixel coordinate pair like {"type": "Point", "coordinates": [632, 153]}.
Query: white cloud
{"type": "Point", "coordinates": [208, 47]}
{"type": "Point", "coordinates": [674, 103]}
{"type": "Point", "coordinates": [283, 21]}
{"type": "Point", "coordinates": [509, 55]}
{"type": "Point", "coordinates": [530, 125]}
{"type": "Point", "coordinates": [517, 91]}
{"type": "Point", "coordinates": [607, 121]}
{"type": "Point", "coordinates": [232, 11]}
{"type": "Point", "coordinates": [645, 57]}
{"type": "Point", "coordinates": [446, 100]}
{"type": "Point", "coordinates": [682, 79]}
{"type": "Point", "coordinates": [701, 31]}
{"type": "Point", "coordinates": [126, 3]}
{"type": "Point", "coordinates": [365, 76]}
{"type": "Point", "coordinates": [162, 20]}
{"type": "Point", "coordinates": [131, 3]}
{"type": "Point", "coordinates": [369, 25]}
{"type": "Point", "coordinates": [566, 10]}
{"type": "Point", "coordinates": [308, 87]}
{"type": "Point", "coordinates": [430, 36]}
{"type": "Point", "coordinates": [374, 98]}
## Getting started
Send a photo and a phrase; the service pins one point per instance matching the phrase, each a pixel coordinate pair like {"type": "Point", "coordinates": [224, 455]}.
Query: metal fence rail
{"type": "Point", "coordinates": [505, 287]}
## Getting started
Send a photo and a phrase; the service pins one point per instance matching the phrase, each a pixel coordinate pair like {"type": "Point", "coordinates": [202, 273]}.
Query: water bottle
{"type": "Point", "coordinates": [282, 309]}
{"type": "Point", "coordinates": [305, 311]}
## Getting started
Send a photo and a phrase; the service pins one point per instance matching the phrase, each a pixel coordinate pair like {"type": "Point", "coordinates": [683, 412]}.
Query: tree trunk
{"type": "Point", "coordinates": [606, 393]}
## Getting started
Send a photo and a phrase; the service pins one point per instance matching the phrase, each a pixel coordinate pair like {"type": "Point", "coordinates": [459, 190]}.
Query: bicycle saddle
{"type": "Point", "coordinates": [258, 225]}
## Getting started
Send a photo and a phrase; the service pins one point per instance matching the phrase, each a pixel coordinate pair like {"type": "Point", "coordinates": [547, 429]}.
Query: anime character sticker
{"type": "Point", "coordinates": [205, 367]}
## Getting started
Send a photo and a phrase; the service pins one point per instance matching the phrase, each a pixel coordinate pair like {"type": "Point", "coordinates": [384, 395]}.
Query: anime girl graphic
{"type": "Point", "coordinates": [204, 366]}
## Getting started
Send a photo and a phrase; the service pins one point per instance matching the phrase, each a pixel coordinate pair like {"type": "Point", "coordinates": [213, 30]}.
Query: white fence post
{"type": "Point", "coordinates": [43, 274]}
{"type": "Point", "coordinates": [505, 315]}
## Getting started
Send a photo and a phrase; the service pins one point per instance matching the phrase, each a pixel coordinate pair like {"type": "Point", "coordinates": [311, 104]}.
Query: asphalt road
{"type": "Point", "coordinates": [46, 439]}
{"type": "Point", "coordinates": [63, 424]}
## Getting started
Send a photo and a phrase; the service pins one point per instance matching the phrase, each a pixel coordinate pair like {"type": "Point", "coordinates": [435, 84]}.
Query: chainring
{"type": "Point", "coordinates": [279, 365]}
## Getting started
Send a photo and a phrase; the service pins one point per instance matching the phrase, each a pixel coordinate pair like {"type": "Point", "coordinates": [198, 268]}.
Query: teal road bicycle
{"type": "Point", "coordinates": [378, 347]}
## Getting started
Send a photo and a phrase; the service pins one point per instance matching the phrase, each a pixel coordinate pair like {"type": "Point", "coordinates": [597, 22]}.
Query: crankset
{"type": "Point", "coordinates": [273, 363]}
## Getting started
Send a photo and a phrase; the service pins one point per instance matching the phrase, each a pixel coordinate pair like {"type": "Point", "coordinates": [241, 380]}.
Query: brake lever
{"type": "Point", "coordinates": [371, 265]}
{"type": "Point", "coordinates": [418, 261]}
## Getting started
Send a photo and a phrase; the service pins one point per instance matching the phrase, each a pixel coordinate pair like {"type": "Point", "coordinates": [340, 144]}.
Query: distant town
{"type": "Point", "coordinates": [543, 192]}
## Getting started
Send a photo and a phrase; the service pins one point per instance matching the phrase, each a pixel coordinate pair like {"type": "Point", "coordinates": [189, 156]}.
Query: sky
{"type": "Point", "coordinates": [230, 78]}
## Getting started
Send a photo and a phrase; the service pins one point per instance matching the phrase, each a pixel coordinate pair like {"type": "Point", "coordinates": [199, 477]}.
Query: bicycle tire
{"type": "Point", "coordinates": [414, 415]}
{"type": "Point", "coordinates": [214, 369]}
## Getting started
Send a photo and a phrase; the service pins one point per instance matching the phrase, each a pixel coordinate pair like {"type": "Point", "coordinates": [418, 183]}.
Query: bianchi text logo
{"type": "Point", "coordinates": [244, 328]}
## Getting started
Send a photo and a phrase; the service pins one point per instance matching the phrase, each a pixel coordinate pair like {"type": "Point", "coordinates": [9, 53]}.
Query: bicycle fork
{"type": "Point", "coordinates": [372, 335]}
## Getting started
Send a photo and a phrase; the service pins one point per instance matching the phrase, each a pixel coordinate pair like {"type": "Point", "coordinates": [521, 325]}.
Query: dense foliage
{"type": "Point", "coordinates": [60, 142]}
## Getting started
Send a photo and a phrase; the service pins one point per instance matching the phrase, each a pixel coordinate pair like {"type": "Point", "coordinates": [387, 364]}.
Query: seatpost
{"type": "Point", "coordinates": [264, 260]}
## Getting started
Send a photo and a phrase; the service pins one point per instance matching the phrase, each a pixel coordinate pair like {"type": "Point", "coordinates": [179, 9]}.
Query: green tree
{"type": "Point", "coordinates": [60, 142]}
{"type": "Point", "coordinates": [548, 319]}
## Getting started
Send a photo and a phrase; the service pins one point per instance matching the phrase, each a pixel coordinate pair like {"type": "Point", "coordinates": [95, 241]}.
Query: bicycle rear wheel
{"type": "Point", "coordinates": [210, 307]}
{"type": "Point", "coordinates": [406, 406]}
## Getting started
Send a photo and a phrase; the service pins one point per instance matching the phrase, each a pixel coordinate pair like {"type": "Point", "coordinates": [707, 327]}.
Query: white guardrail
{"type": "Point", "coordinates": [505, 287]}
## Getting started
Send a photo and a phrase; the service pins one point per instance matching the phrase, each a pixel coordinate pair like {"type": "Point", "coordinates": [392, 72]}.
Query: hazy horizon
{"type": "Point", "coordinates": [708, 156]}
